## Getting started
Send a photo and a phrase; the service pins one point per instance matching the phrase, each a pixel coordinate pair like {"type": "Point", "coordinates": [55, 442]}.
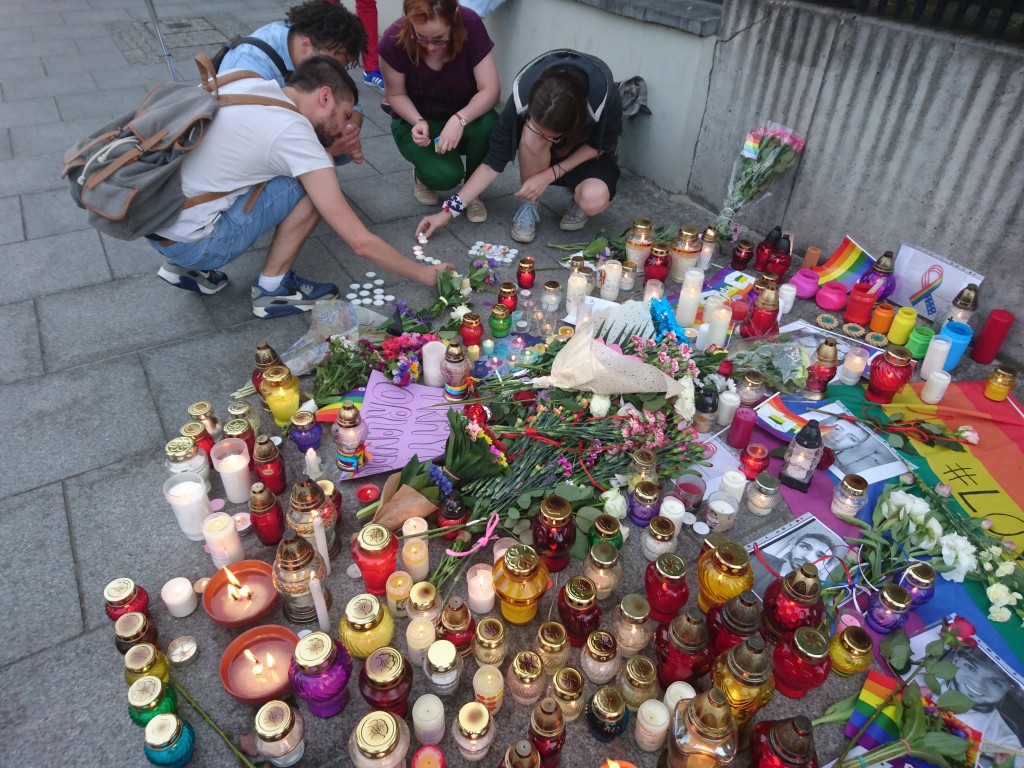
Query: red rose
{"type": "Point", "coordinates": [525, 396]}
{"type": "Point", "coordinates": [725, 368]}
{"type": "Point", "coordinates": [964, 631]}
{"type": "Point", "coordinates": [828, 458]}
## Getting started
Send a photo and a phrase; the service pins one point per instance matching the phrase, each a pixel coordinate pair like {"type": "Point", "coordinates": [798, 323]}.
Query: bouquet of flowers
{"type": "Point", "coordinates": [453, 292]}
{"type": "Point", "coordinates": [782, 360]}
{"type": "Point", "coordinates": [346, 367]}
{"type": "Point", "coordinates": [768, 151]}
{"type": "Point", "coordinates": [402, 356]}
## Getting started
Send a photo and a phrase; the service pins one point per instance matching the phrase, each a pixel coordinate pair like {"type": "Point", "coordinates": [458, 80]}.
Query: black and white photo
{"type": "Point", "coordinates": [805, 540]}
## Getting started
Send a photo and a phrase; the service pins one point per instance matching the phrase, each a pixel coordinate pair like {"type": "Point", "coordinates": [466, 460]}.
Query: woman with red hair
{"type": "Point", "coordinates": [442, 84]}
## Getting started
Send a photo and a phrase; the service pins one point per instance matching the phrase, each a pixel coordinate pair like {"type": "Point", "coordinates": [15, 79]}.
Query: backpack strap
{"type": "Point", "coordinates": [264, 46]}
{"type": "Point", "coordinates": [265, 101]}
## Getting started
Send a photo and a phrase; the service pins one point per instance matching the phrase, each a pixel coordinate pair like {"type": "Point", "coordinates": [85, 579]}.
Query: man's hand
{"type": "Point", "coordinates": [450, 137]}
{"type": "Point", "coordinates": [430, 224]}
{"type": "Point", "coordinates": [534, 186]}
{"type": "Point", "coordinates": [348, 144]}
{"type": "Point", "coordinates": [421, 133]}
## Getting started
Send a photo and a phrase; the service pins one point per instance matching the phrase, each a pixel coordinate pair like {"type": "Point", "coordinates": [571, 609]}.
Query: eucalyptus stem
{"type": "Point", "coordinates": [209, 721]}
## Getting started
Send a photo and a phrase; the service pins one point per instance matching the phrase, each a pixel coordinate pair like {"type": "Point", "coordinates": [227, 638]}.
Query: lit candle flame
{"type": "Point", "coordinates": [609, 763]}
{"type": "Point", "coordinates": [231, 577]}
{"type": "Point", "coordinates": [235, 589]}
{"type": "Point", "coordinates": [249, 655]}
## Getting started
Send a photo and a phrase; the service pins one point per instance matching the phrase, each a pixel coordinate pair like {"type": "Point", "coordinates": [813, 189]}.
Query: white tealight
{"type": "Point", "coordinates": [353, 286]}
{"type": "Point", "coordinates": [367, 285]}
{"type": "Point", "coordinates": [513, 251]}
{"type": "Point", "coordinates": [701, 529]}
{"type": "Point", "coordinates": [371, 274]}
{"type": "Point", "coordinates": [364, 294]}
{"type": "Point", "coordinates": [357, 302]}
{"type": "Point", "coordinates": [350, 296]}
{"type": "Point", "coordinates": [378, 291]}
{"type": "Point", "coordinates": [420, 257]}
{"type": "Point", "coordinates": [389, 297]}
{"type": "Point", "coordinates": [353, 571]}
{"type": "Point", "coordinates": [378, 281]}
{"type": "Point", "coordinates": [378, 303]}
{"type": "Point", "coordinates": [478, 243]}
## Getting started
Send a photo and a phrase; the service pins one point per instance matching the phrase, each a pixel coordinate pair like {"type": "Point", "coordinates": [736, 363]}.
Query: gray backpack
{"type": "Point", "coordinates": [127, 175]}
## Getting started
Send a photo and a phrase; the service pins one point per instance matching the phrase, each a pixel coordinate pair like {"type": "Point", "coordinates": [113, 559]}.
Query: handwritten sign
{"type": "Point", "coordinates": [401, 423]}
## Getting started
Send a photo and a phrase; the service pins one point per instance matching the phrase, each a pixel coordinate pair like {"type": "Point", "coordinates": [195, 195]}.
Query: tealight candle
{"type": "Point", "coordinates": [935, 388]}
{"type": "Point", "coordinates": [653, 289]}
{"type": "Point", "coordinates": [397, 589]}
{"type": "Point", "coordinates": [481, 588]}
{"type": "Point", "coordinates": [416, 559]}
{"type": "Point", "coordinates": [428, 719]}
{"type": "Point", "coordinates": [222, 540]}
{"type": "Point", "coordinates": [733, 483]}
{"type": "Point", "coordinates": [230, 458]}
{"type": "Point", "coordinates": [179, 597]}
{"type": "Point", "coordinates": [501, 547]}
{"type": "Point", "coordinates": [678, 691]}
{"type": "Point", "coordinates": [673, 509]}
{"type": "Point", "coordinates": [728, 404]}
{"type": "Point", "coordinates": [854, 363]}
{"type": "Point", "coordinates": [651, 725]}
{"type": "Point", "coordinates": [487, 347]}
{"type": "Point", "coordinates": [413, 527]}
{"type": "Point", "coordinates": [243, 523]}
{"type": "Point", "coordinates": [200, 585]}
{"type": "Point", "coordinates": [419, 636]}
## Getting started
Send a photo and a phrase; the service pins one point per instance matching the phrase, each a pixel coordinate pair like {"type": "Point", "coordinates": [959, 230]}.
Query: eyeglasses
{"type": "Point", "coordinates": [548, 139]}
{"type": "Point", "coordinates": [426, 41]}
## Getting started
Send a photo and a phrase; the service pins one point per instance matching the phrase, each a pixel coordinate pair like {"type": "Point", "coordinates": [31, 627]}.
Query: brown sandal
{"type": "Point", "coordinates": [476, 212]}
{"type": "Point", "coordinates": [423, 195]}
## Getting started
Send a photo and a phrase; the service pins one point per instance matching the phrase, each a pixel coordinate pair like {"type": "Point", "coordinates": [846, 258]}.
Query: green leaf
{"type": "Point", "coordinates": [935, 648]}
{"type": "Point", "coordinates": [955, 702]}
{"type": "Point", "coordinates": [943, 669]}
{"type": "Point", "coordinates": [580, 548]}
{"type": "Point", "coordinates": [526, 537]}
{"type": "Point", "coordinates": [932, 682]}
{"type": "Point", "coordinates": [520, 526]}
{"type": "Point", "coordinates": [524, 500]}
{"type": "Point", "coordinates": [896, 441]}
{"type": "Point", "coordinates": [512, 514]}
{"type": "Point", "coordinates": [569, 492]}
{"type": "Point", "coordinates": [914, 721]}
{"type": "Point", "coordinates": [932, 757]}
{"type": "Point", "coordinates": [935, 429]}
{"type": "Point", "coordinates": [896, 649]}
{"type": "Point", "coordinates": [585, 517]}
{"type": "Point", "coordinates": [946, 744]}
{"type": "Point", "coordinates": [894, 416]}
{"type": "Point", "coordinates": [840, 712]}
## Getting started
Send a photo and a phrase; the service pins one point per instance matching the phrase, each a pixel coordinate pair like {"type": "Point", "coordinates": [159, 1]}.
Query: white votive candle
{"type": "Point", "coordinates": [222, 540]}
{"type": "Point", "coordinates": [230, 458]}
{"type": "Point", "coordinates": [419, 635]}
{"type": "Point", "coordinates": [673, 509]}
{"type": "Point", "coordinates": [728, 403]}
{"type": "Point", "coordinates": [489, 687]}
{"type": "Point", "coordinates": [853, 367]}
{"type": "Point", "coordinates": [787, 295]}
{"type": "Point", "coordinates": [243, 523]}
{"type": "Point", "coordinates": [718, 324]}
{"type": "Point", "coordinates": [935, 388]}
{"type": "Point", "coordinates": [686, 309]}
{"type": "Point", "coordinates": [653, 289]}
{"type": "Point", "coordinates": [935, 357]}
{"type": "Point", "coordinates": [186, 493]}
{"type": "Point", "coordinates": [179, 597]}
{"type": "Point", "coordinates": [678, 691]}
{"type": "Point", "coordinates": [316, 590]}
{"type": "Point", "coordinates": [481, 588]}
{"type": "Point", "coordinates": [428, 719]}
{"type": "Point", "coordinates": [313, 469]}
{"type": "Point", "coordinates": [501, 547]}
{"type": "Point", "coordinates": [416, 559]}
{"type": "Point", "coordinates": [733, 483]}
{"type": "Point", "coordinates": [413, 528]}
{"type": "Point", "coordinates": [433, 356]}
{"type": "Point", "coordinates": [320, 538]}
{"type": "Point", "coordinates": [397, 589]}
{"type": "Point", "coordinates": [651, 725]}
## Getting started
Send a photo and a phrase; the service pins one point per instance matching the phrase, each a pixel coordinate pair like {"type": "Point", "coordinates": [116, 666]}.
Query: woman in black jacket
{"type": "Point", "coordinates": [563, 119]}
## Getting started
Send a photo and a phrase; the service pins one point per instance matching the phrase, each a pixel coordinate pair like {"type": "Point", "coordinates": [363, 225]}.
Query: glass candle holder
{"type": "Point", "coordinates": [500, 321]}
{"type": "Point", "coordinates": [202, 412]}
{"type": "Point", "coordinates": [657, 264]}
{"type": "Point", "coordinates": [490, 645]}
{"type": "Point", "coordinates": [802, 457]}
{"type": "Point", "coordinates": [319, 672]}
{"type": "Point", "coordinates": [720, 511]}
{"type": "Point", "coordinates": [606, 528]}
{"type": "Point", "coordinates": [520, 580]}
{"type": "Point", "coordinates": [702, 732]}
{"type": "Point", "coordinates": [854, 363]}
{"type": "Point", "coordinates": [480, 586]}
{"type": "Point", "coordinates": [280, 390]}
{"type": "Point", "coordinates": [295, 564]}
{"type": "Point", "coordinates": [753, 460]}
{"type": "Point", "coordinates": [419, 635]}
{"type": "Point", "coordinates": [169, 741]}
{"type": "Point", "coordinates": [643, 502]}
{"type": "Point", "coordinates": [148, 697]}
{"type": "Point", "coordinates": [521, 754]}
{"type": "Point", "coordinates": [638, 240]}
{"type": "Point", "coordinates": [473, 732]}
{"type": "Point", "coordinates": [682, 648]}
{"type": "Point", "coordinates": [380, 740]}
{"type": "Point", "coordinates": [685, 251]}
{"type": "Point", "coordinates": [552, 645]}
{"type": "Point", "coordinates": [665, 586]}
{"type": "Point", "coordinates": [398, 586]}
{"type": "Point", "coordinates": [793, 601]}
{"type": "Point", "coordinates": [428, 719]}
{"type": "Point", "coordinates": [783, 744]}
{"type": "Point", "coordinates": [578, 609]}
{"type": "Point", "coordinates": [385, 681]}
{"type": "Point", "coordinates": [600, 660]}
{"type": "Point", "coordinates": [918, 579]}
{"type": "Point", "coordinates": [547, 732]}
{"type": "Point", "coordinates": [632, 625]}
{"type": "Point", "coordinates": [801, 662]}
{"type": "Point", "coordinates": [471, 330]}
{"type": "Point", "coordinates": [144, 660]}
{"type": "Point", "coordinates": [307, 503]}
{"type": "Point", "coordinates": [850, 496]}
{"type": "Point", "coordinates": [1000, 383]}
{"type": "Point", "coordinates": [443, 667]}
{"type": "Point", "coordinates": [659, 538]}
{"type": "Point", "coordinates": [280, 733]}
{"type": "Point", "coordinates": [750, 388]}
{"type": "Point", "coordinates": [643, 466]}
{"type": "Point", "coordinates": [637, 681]}
{"type": "Point", "coordinates": [607, 715]}
{"type": "Point", "coordinates": [888, 609]}
{"type": "Point", "coordinates": [131, 629]}
{"type": "Point", "coordinates": [123, 596]}
{"type": "Point", "coordinates": [566, 687]}
{"type": "Point", "coordinates": [744, 674]}
{"type": "Point", "coordinates": [423, 602]}
{"type": "Point", "coordinates": [489, 687]}
{"type": "Point", "coordinates": [183, 455]}
{"type": "Point", "coordinates": [722, 573]}
{"type": "Point", "coordinates": [306, 432]}
{"type": "Point", "coordinates": [366, 626]}
{"type": "Point", "coordinates": [890, 372]}
{"type": "Point", "coordinates": [603, 568]}
{"type": "Point", "coordinates": [761, 495]}
{"type": "Point", "coordinates": [457, 625]}
{"type": "Point", "coordinates": [554, 532]}
{"type": "Point", "coordinates": [265, 514]}
{"type": "Point", "coordinates": [526, 274]}
{"type": "Point", "coordinates": [733, 621]}
{"type": "Point", "coordinates": [850, 651]}
{"type": "Point", "coordinates": [525, 678]}
{"type": "Point", "coordinates": [375, 553]}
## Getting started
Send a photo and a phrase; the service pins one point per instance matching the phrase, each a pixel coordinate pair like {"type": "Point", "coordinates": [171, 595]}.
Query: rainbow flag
{"type": "Point", "coordinates": [329, 413]}
{"type": "Point", "coordinates": [846, 265]}
{"type": "Point", "coordinates": [877, 688]}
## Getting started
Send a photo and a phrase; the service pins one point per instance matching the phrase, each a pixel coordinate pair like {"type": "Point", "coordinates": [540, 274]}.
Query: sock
{"type": "Point", "coordinates": [270, 283]}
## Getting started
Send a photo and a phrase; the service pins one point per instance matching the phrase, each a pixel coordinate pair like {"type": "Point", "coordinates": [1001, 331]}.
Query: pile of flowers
{"type": "Point", "coordinates": [402, 356]}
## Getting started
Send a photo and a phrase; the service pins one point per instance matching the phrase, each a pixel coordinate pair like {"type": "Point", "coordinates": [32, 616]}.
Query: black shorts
{"type": "Point", "coordinates": [602, 167]}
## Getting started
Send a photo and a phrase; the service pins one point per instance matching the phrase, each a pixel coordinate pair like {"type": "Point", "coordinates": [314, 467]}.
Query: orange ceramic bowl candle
{"type": "Point", "coordinates": [254, 667]}
{"type": "Point", "coordinates": [245, 603]}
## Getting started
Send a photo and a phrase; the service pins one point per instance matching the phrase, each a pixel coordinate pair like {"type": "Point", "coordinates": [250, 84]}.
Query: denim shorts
{"type": "Point", "coordinates": [235, 230]}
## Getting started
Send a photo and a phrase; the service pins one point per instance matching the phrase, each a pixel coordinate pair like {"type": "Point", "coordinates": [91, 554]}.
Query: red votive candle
{"type": "Point", "coordinates": [754, 460]}
{"type": "Point", "coordinates": [992, 335]}
{"type": "Point", "coordinates": [742, 427]}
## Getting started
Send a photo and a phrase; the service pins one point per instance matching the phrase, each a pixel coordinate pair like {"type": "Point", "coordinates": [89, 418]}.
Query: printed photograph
{"type": "Point", "coordinates": [805, 540]}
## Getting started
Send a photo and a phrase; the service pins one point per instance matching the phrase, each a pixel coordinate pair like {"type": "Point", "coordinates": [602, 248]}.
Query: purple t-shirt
{"type": "Point", "coordinates": [439, 95]}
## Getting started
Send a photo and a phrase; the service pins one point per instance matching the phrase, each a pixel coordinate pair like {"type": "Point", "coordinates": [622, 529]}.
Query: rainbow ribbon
{"type": "Point", "coordinates": [930, 282]}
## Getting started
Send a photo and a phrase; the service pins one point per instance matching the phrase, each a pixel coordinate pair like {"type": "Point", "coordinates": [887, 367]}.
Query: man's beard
{"type": "Point", "coordinates": [327, 132]}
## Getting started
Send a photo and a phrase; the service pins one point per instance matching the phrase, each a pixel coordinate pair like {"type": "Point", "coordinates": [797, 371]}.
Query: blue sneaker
{"type": "Point", "coordinates": [374, 79]}
{"type": "Point", "coordinates": [524, 223]}
{"type": "Point", "coordinates": [295, 294]}
{"type": "Point", "coordinates": [205, 281]}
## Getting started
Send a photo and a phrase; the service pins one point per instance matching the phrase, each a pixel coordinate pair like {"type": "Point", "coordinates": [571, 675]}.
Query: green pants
{"type": "Point", "coordinates": [443, 172]}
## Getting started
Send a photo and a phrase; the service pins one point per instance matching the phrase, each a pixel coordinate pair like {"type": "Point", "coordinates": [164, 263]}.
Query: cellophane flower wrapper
{"type": "Point", "coordinates": [781, 358]}
{"type": "Point", "coordinates": [329, 318]}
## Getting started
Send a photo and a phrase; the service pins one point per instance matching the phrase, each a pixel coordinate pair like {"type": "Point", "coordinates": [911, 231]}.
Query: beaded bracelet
{"type": "Point", "coordinates": [453, 206]}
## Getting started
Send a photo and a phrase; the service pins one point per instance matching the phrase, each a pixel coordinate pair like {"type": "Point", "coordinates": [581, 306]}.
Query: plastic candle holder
{"type": "Point", "coordinates": [254, 666]}
{"type": "Point", "coordinates": [245, 600]}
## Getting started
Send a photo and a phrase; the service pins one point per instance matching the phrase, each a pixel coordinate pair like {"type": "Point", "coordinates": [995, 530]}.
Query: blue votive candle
{"type": "Point", "coordinates": [644, 502]}
{"type": "Point", "coordinates": [888, 609]}
{"type": "Point", "coordinates": [918, 579]}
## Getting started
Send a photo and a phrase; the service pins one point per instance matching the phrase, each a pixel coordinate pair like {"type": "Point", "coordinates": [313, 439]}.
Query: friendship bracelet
{"type": "Point", "coordinates": [454, 206]}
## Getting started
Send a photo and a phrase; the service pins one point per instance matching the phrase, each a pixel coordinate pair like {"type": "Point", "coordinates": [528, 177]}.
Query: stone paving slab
{"type": "Point", "coordinates": [52, 213]}
{"type": "Point", "coordinates": [89, 417]}
{"type": "Point", "coordinates": [123, 316]}
{"type": "Point", "coordinates": [52, 264]}
{"type": "Point", "coordinates": [130, 257]}
{"type": "Point", "coordinates": [11, 228]}
{"type": "Point", "coordinates": [46, 569]}
{"type": "Point", "coordinates": [51, 139]}
{"type": "Point", "coordinates": [100, 106]}
{"type": "Point", "coordinates": [32, 88]}
{"type": "Point", "coordinates": [19, 338]}
{"type": "Point", "coordinates": [34, 111]}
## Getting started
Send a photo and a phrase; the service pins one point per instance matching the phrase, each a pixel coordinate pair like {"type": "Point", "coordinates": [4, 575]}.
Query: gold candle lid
{"type": "Point", "coordinates": [521, 560]}
{"type": "Point", "coordinates": [522, 754]}
{"type": "Point", "coordinates": [660, 249]}
{"type": "Point", "coordinates": [471, 320]}
{"type": "Point", "coordinates": [145, 693]}
{"type": "Point", "coordinates": [601, 645]}
{"type": "Point", "coordinates": [265, 356]}
{"type": "Point", "coordinates": [670, 566]}
{"type": "Point", "coordinates": [385, 667]}
{"type": "Point", "coordinates": [507, 289]}
{"type": "Point", "coordinates": [749, 661]}
{"type": "Point", "coordinates": [920, 574]}
{"type": "Point", "coordinates": [710, 713]}
{"type": "Point", "coordinates": [422, 596]}
{"type": "Point", "coordinates": [742, 613]}
{"type": "Point", "coordinates": [898, 356]}
{"type": "Point", "coordinates": [643, 225]}
{"type": "Point", "coordinates": [556, 511]}
{"type": "Point", "coordinates": [606, 526]}
{"type": "Point", "coordinates": [608, 703]}
{"type": "Point", "coordinates": [640, 671]}
{"type": "Point", "coordinates": [119, 592]}
{"type": "Point", "coordinates": [239, 409]}
{"type": "Point", "coordinates": [753, 379]}
{"type": "Point", "coordinates": [454, 353]}
{"type": "Point", "coordinates": [546, 718]}
{"type": "Point", "coordinates": [455, 617]}
{"type": "Point", "coordinates": [646, 492]}
{"type": "Point", "coordinates": [238, 427]}
{"type": "Point", "coordinates": [628, 267]}
{"type": "Point", "coordinates": [130, 626]}
{"type": "Point", "coordinates": [277, 375]}
{"type": "Point", "coordinates": [827, 354]}
{"type": "Point", "coordinates": [274, 721]}
{"type": "Point", "coordinates": [687, 232]}
{"type": "Point", "coordinates": [551, 637]}
{"type": "Point", "coordinates": [689, 630]}
{"type": "Point", "coordinates": [474, 720]}
{"type": "Point", "coordinates": [709, 235]}
{"type": "Point", "coordinates": [793, 740]}
{"type": "Point", "coordinates": [732, 558]}
{"type": "Point", "coordinates": [635, 609]}
{"type": "Point", "coordinates": [348, 415]}
{"type": "Point", "coordinates": [580, 592]}
{"type": "Point", "coordinates": [200, 410]}
{"type": "Point", "coordinates": [302, 419]}
{"type": "Point", "coordinates": [374, 538]}
{"type": "Point", "coordinates": [377, 734]}
{"type": "Point", "coordinates": [661, 529]}
{"type": "Point", "coordinates": [314, 652]}
{"type": "Point", "coordinates": [802, 584]}
{"type": "Point", "coordinates": [490, 632]}
{"type": "Point", "coordinates": [552, 286]}
{"type": "Point", "coordinates": [811, 642]}
{"type": "Point", "coordinates": [441, 655]}
{"type": "Point", "coordinates": [364, 612]}
{"type": "Point", "coordinates": [140, 658]}
{"type": "Point", "coordinates": [294, 553]}
{"type": "Point", "coordinates": [568, 683]}
{"type": "Point", "coordinates": [265, 451]}
{"type": "Point", "coordinates": [180, 448]}
{"type": "Point", "coordinates": [526, 264]}
{"type": "Point", "coordinates": [527, 666]}
{"type": "Point", "coordinates": [644, 459]}
{"type": "Point", "coordinates": [499, 311]}
{"type": "Point", "coordinates": [895, 597]}
{"type": "Point", "coordinates": [743, 248]}
{"type": "Point", "coordinates": [194, 429]}
{"type": "Point", "coordinates": [162, 731]}
{"type": "Point", "coordinates": [1005, 375]}
{"type": "Point", "coordinates": [856, 641]}
{"type": "Point", "coordinates": [604, 554]}
{"type": "Point", "coordinates": [854, 485]}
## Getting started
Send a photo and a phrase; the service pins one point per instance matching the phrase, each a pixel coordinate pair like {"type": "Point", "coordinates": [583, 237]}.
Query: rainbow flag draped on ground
{"type": "Point", "coordinates": [846, 265]}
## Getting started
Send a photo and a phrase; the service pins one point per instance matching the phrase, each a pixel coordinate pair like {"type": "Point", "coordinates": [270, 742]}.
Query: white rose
{"type": "Point", "coordinates": [959, 553]}
{"type": "Point", "coordinates": [459, 312]}
{"type": "Point", "coordinates": [929, 537]}
{"type": "Point", "coordinates": [614, 503]}
{"type": "Point", "coordinates": [1005, 569]}
{"type": "Point", "coordinates": [599, 405]}
{"type": "Point", "coordinates": [998, 594]}
{"type": "Point", "coordinates": [684, 405]}
{"type": "Point", "coordinates": [918, 509]}
{"type": "Point", "coordinates": [999, 613]}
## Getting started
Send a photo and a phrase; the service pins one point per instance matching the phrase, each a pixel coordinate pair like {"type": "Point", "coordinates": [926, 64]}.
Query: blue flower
{"type": "Point", "coordinates": [441, 479]}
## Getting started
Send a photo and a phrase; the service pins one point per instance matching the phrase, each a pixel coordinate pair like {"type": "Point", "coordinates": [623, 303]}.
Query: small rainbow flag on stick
{"type": "Point", "coordinates": [877, 688]}
{"type": "Point", "coordinates": [846, 265]}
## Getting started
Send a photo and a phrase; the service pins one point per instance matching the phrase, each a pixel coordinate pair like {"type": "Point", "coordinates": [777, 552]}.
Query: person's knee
{"type": "Point", "coordinates": [592, 197]}
{"type": "Point", "coordinates": [441, 178]}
